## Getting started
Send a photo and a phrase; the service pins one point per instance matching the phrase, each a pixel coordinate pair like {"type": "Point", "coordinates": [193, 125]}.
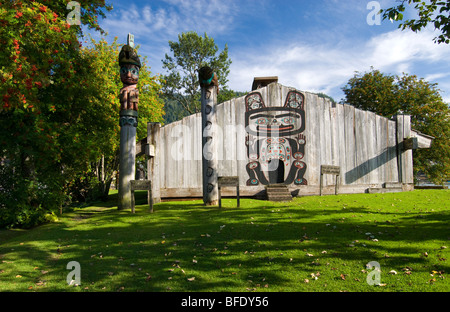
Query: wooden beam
{"type": "Point", "coordinates": [140, 147]}
{"type": "Point", "coordinates": [405, 157]}
{"type": "Point", "coordinates": [423, 140]}
{"type": "Point", "coordinates": [410, 144]}
{"type": "Point", "coordinates": [153, 159]}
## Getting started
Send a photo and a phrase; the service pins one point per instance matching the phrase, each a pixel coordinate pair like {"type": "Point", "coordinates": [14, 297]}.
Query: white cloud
{"type": "Point", "coordinates": [164, 22]}
{"type": "Point", "coordinates": [435, 76]}
{"type": "Point", "coordinates": [213, 15]}
{"type": "Point", "coordinates": [405, 46]}
{"type": "Point", "coordinates": [327, 67]}
{"type": "Point", "coordinates": [153, 25]}
{"type": "Point", "coordinates": [317, 61]}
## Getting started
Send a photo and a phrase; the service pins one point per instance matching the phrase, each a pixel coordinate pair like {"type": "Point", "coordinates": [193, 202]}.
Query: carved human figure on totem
{"type": "Point", "coordinates": [275, 143]}
{"type": "Point", "coordinates": [129, 75]}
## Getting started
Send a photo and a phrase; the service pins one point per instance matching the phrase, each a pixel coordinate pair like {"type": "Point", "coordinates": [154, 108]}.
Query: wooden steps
{"type": "Point", "coordinates": [278, 193]}
{"type": "Point", "coordinates": [388, 188]}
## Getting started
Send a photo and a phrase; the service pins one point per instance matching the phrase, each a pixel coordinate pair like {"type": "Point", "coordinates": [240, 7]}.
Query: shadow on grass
{"type": "Point", "coordinates": [189, 247]}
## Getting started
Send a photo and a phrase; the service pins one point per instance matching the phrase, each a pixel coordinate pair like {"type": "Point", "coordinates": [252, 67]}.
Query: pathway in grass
{"type": "Point", "coordinates": [310, 244]}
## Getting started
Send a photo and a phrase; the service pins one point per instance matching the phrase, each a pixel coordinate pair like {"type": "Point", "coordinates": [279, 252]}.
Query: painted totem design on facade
{"type": "Point", "coordinates": [275, 140]}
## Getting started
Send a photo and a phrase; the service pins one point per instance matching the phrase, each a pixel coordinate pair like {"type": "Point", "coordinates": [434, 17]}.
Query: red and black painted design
{"type": "Point", "coordinates": [275, 140]}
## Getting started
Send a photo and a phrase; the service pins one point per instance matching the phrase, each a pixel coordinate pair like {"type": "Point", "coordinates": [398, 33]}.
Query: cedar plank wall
{"type": "Point", "coordinates": [362, 143]}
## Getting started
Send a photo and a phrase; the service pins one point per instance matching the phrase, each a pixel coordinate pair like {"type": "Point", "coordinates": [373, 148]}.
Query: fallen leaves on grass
{"type": "Point", "coordinates": [407, 272]}
{"type": "Point", "coordinates": [315, 276]}
{"type": "Point", "coordinates": [315, 262]}
{"type": "Point", "coordinates": [438, 274]}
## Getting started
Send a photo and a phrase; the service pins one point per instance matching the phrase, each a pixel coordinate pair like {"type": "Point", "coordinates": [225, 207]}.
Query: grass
{"type": "Point", "coordinates": [313, 244]}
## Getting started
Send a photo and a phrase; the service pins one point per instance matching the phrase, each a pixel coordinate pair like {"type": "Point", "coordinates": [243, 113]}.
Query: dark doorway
{"type": "Point", "coordinates": [276, 171]}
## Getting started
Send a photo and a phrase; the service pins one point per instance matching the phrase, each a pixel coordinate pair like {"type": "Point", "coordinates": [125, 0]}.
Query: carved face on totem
{"type": "Point", "coordinates": [129, 74]}
{"type": "Point", "coordinates": [129, 66]}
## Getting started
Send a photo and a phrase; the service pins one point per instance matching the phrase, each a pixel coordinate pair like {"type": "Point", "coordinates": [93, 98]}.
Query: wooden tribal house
{"type": "Point", "coordinates": [280, 136]}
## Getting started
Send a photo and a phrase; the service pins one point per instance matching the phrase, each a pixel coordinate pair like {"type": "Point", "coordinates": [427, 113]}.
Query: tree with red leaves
{"type": "Point", "coordinates": [41, 60]}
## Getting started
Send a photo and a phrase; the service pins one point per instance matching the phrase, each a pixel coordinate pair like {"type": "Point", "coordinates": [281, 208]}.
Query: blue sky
{"type": "Point", "coordinates": [314, 46]}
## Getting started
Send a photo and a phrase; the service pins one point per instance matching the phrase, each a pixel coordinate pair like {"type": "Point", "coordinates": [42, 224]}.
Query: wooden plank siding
{"type": "Point", "coordinates": [363, 144]}
{"type": "Point", "coordinates": [350, 145]}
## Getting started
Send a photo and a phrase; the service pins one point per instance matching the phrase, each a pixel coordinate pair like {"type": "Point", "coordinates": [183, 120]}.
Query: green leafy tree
{"type": "Point", "coordinates": [373, 91]}
{"type": "Point", "coordinates": [327, 97]}
{"type": "Point", "coordinates": [389, 95]}
{"type": "Point", "coordinates": [40, 51]}
{"type": "Point", "coordinates": [101, 88]}
{"type": "Point", "coordinates": [37, 41]}
{"type": "Point", "coordinates": [173, 111]}
{"type": "Point", "coordinates": [435, 12]}
{"type": "Point", "coordinates": [189, 54]}
{"type": "Point", "coordinates": [58, 108]}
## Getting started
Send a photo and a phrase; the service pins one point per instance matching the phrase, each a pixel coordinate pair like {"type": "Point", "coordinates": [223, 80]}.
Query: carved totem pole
{"type": "Point", "coordinates": [210, 89]}
{"type": "Point", "coordinates": [129, 98]}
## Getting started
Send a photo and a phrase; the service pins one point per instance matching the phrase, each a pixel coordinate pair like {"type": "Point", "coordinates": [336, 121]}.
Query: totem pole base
{"type": "Point", "coordinates": [127, 165]}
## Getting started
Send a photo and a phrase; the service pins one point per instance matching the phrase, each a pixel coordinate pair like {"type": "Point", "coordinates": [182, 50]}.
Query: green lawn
{"type": "Point", "coordinates": [318, 244]}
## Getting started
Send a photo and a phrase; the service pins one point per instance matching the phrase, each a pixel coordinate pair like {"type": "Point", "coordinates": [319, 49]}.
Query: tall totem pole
{"type": "Point", "coordinates": [210, 89]}
{"type": "Point", "coordinates": [129, 98]}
